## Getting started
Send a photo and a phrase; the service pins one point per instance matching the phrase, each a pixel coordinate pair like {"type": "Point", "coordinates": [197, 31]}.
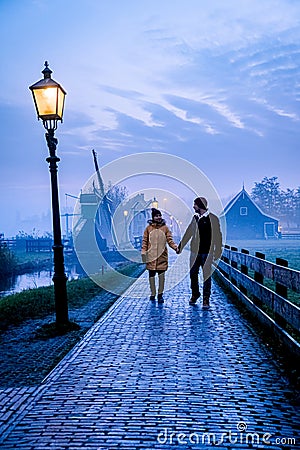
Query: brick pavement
{"type": "Point", "coordinates": [150, 376]}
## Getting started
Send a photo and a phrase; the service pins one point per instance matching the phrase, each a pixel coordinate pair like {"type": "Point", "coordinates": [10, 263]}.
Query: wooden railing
{"type": "Point", "coordinates": [294, 235]}
{"type": "Point", "coordinates": [39, 245]}
{"type": "Point", "coordinates": [264, 287]}
{"type": "Point", "coordinates": [9, 243]}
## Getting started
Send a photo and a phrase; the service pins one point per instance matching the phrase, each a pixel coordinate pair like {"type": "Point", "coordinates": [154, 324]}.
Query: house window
{"type": "Point", "coordinates": [244, 211]}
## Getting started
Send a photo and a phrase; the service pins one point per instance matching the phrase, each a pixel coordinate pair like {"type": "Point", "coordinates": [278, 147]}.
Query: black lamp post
{"type": "Point", "coordinates": [49, 99]}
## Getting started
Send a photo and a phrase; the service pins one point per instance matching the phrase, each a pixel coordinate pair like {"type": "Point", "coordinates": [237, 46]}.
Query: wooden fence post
{"type": "Point", "coordinates": [225, 259]}
{"type": "Point", "coordinates": [259, 278]}
{"type": "Point", "coordinates": [234, 265]}
{"type": "Point", "coordinates": [282, 291]}
{"type": "Point", "coordinates": [244, 270]}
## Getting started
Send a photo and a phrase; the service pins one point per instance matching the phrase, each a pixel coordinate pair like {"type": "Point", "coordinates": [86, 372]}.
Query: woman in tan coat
{"type": "Point", "coordinates": [155, 253]}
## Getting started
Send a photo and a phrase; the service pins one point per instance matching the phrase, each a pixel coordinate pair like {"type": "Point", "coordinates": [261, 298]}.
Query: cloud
{"type": "Point", "coordinates": [279, 111]}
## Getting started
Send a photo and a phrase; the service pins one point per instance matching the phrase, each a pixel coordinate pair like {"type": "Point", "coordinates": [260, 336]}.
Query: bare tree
{"type": "Point", "coordinates": [116, 194]}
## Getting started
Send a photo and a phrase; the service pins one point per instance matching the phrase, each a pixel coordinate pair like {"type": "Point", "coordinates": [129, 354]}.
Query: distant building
{"type": "Point", "coordinates": [132, 218]}
{"type": "Point", "coordinates": [245, 220]}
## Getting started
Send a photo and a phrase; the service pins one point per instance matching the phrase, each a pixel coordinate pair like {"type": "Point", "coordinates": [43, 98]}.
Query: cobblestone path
{"type": "Point", "coordinates": [170, 376]}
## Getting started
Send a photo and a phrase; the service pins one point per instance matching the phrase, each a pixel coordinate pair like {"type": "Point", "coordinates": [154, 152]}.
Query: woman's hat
{"type": "Point", "coordinates": [155, 212]}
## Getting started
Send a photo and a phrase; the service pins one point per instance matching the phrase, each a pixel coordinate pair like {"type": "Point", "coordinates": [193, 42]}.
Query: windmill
{"type": "Point", "coordinates": [104, 220]}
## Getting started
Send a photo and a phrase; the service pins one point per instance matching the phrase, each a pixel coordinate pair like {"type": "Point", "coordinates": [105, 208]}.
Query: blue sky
{"type": "Point", "coordinates": [216, 83]}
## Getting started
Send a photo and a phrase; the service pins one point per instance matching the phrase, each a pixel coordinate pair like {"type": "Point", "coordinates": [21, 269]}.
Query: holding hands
{"type": "Point", "coordinates": [178, 250]}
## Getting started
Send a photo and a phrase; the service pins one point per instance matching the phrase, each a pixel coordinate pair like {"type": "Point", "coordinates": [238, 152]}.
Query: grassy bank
{"type": "Point", "coordinates": [28, 262]}
{"type": "Point", "coordinates": [19, 262]}
{"type": "Point", "coordinates": [8, 262]}
{"type": "Point", "coordinates": [37, 303]}
{"type": "Point", "coordinates": [24, 257]}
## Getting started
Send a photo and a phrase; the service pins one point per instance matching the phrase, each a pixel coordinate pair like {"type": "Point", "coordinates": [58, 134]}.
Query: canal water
{"type": "Point", "coordinates": [35, 279]}
{"type": "Point", "coordinates": [43, 277]}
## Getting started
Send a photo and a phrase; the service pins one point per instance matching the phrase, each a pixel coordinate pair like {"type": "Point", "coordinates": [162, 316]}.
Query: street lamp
{"type": "Point", "coordinates": [49, 97]}
{"type": "Point", "coordinates": [154, 203]}
{"type": "Point", "coordinates": [125, 212]}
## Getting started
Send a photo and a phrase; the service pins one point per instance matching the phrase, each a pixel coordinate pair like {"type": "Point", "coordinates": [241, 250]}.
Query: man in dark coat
{"type": "Point", "coordinates": [206, 247]}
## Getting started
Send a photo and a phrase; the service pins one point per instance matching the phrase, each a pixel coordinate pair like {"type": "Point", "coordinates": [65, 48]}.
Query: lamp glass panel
{"type": "Point", "coordinates": [46, 100]}
{"type": "Point", "coordinates": [60, 102]}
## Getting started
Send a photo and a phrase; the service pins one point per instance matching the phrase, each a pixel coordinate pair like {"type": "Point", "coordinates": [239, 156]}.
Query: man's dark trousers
{"type": "Point", "coordinates": [204, 261]}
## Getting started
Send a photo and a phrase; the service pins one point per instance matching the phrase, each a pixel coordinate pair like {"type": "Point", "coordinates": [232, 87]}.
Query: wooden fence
{"type": "Point", "coordinates": [8, 243]}
{"type": "Point", "coordinates": [39, 245]}
{"type": "Point", "coordinates": [264, 287]}
{"type": "Point", "coordinates": [291, 236]}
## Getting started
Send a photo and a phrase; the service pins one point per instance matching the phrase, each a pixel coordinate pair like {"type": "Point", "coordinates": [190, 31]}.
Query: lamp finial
{"type": "Point", "coordinates": [47, 71]}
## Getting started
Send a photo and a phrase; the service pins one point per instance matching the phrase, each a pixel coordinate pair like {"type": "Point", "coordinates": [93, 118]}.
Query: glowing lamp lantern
{"type": "Point", "coordinates": [154, 203]}
{"type": "Point", "coordinates": [49, 99]}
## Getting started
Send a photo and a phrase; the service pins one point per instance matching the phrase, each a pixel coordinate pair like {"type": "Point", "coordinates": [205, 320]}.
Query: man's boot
{"type": "Point", "coordinates": [194, 299]}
